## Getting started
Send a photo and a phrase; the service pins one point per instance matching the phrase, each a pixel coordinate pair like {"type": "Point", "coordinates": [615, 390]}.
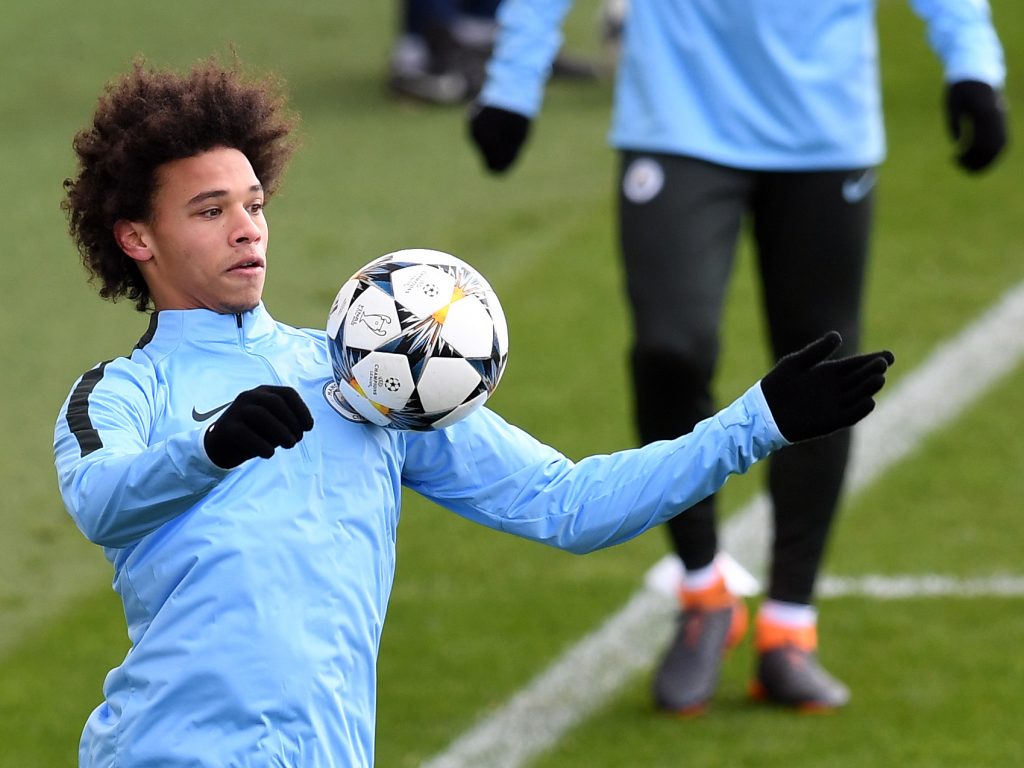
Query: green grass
{"type": "Point", "coordinates": [905, 711]}
{"type": "Point", "coordinates": [475, 615]}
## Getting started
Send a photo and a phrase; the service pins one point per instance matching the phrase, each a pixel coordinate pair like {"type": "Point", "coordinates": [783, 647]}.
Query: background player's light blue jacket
{"type": "Point", "coordinates": [255, 597]}
{"type": "Point", "coordinates": [753, 84]}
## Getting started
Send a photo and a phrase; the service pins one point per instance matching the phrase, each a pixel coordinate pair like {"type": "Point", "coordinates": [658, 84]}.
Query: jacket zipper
{"type": "Point", "coordinates": [303, 448]}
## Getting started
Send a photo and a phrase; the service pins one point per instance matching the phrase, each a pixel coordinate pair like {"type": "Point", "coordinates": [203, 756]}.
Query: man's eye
{"type": "Point", "coordinates": [210, 213]}
{"type": "Point", "coordinates": [255, 208]}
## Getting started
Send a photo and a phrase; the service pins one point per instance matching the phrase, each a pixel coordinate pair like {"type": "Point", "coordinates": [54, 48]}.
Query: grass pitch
{"type": "Point", "coordinates": [475, 615]}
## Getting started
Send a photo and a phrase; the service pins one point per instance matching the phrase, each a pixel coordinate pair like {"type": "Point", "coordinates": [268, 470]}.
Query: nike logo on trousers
{"type": "Point", "coordinates": [857, 187]}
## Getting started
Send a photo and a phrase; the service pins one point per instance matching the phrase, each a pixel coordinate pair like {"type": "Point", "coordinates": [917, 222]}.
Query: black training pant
{"type": "Point", "coordinates": [680, 220]}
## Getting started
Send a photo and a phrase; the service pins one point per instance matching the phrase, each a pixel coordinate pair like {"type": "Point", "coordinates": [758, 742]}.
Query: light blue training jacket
{"type": "Point", "coordinates": [752, 84]}
{"type": "Point", "coordinates": [255, 597]}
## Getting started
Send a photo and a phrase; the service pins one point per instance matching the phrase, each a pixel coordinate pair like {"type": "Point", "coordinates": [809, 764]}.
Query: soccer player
{"type": "Point", "coordinates": [250, 528]}
{"type": "Point", "coordinates": [727, 110]}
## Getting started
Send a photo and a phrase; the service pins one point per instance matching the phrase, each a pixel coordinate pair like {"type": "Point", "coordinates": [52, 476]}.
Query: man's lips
{"type": "Point", "coordinates": [248, 264]}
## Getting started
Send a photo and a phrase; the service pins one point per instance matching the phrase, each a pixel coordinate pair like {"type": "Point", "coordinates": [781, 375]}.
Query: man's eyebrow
{"type": "Point", "coordinates": [215, 193]}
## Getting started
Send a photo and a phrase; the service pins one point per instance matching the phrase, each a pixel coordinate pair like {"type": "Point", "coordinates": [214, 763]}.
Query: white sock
{"type": "Point", "coordinates": [701, 578]}
{"type": "Point", "coordinates": [789, 614]}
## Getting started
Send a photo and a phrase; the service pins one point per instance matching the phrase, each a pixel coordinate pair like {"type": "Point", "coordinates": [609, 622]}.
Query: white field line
{"type": "Point", "coordinates": [929, 585]}
{"type": "Point", "coordinates": [590, 672]}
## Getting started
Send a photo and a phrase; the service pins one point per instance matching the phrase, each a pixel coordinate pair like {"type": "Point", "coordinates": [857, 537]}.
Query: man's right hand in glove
{"type": "Point", "coordinates": [976, 115]}
{"type": "Point", "coordinates": [811, 395]}
{"type": "Point", "coordinates": [499, 135]}
{"type": "Point", "coordinates": [256, 423]}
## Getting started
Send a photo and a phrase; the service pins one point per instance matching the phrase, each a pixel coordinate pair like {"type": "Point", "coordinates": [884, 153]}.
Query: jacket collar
{"type": "Point", "coordinates": [205, 326]}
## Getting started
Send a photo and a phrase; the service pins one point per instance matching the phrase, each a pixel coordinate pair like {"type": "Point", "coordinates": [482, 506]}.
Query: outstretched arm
{"type": "Point", "coordinates": [494, 474]}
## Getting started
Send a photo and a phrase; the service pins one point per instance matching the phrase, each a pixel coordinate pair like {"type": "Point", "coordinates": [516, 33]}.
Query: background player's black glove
{"type": "Point", "coordinates": [257, 422]}
{"type": "Point", "coordinates": [499, 134]}
{"type": "Point", "coordinates": [977, 122]}
{"type": "Point", "coordinates": [811, 395]}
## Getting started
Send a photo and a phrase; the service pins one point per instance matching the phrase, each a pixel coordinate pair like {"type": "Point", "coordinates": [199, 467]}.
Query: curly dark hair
{"type": "Point", "coordinates": [150, 117]}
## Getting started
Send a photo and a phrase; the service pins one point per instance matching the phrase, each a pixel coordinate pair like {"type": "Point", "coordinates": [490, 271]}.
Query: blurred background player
{"type": "Point", "coordinates": [728, 110]}
{"type": "Point", "coordinates": [442, 49]}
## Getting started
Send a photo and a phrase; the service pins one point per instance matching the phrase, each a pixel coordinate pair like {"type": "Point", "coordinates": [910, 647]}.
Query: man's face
{"type": "Point", "coordinates": [205, 245]}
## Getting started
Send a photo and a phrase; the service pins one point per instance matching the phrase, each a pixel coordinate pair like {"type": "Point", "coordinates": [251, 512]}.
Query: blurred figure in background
{"type": "Point", "coordinates": [441, 53]}
{"type": "Point", "coordinates": [726, 111]}
{"type": "Point", "coordinates": [442, 50]}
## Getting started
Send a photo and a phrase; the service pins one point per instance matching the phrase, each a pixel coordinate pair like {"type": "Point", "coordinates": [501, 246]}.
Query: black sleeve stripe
{"type": "Point", "coordinates": [78, 412]}
{"type": "Point", "coordinates": [78, 405]}
{"type": "Point", "coordinates": [150, 331]}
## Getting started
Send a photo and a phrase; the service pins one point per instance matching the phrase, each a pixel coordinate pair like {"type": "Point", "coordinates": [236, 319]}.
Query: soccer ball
{"type": "Point", "coordinates": [417, 339]}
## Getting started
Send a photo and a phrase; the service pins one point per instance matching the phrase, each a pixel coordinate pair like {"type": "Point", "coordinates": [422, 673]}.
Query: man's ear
{"type": "Point", "coordinates": [133, 239]}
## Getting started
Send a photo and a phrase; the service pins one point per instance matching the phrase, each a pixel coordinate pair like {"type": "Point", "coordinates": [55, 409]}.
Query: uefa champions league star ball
{"type": "Point", "coordinates": [417, 339]}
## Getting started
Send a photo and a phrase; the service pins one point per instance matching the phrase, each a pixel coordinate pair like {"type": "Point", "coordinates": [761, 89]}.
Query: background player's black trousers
{"type": "Point", "coordinates": [678, 247]}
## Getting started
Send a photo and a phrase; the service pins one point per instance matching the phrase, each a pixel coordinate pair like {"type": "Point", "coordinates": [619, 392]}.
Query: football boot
{"type": "Point", "coordinates": [712, 621]}
{"type": "Point", "coordinates": [788, 671]}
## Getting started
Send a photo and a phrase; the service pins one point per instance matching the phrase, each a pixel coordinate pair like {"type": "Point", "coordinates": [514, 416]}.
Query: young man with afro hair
{"type": "Point", "coordinates": [251, 529]}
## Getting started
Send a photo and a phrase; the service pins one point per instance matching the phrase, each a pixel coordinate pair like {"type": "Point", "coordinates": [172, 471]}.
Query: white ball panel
{"type": "Point", "coordinates": [372, 320]}
{"type": "Point", "coordinates": [385, 379]}
{"type": "Point", "coordinates": [340, 307]}
{"type": "Point", "coordinates": [468, 328]}
{"type": "Point", "coordinates": [358, 402]}
{"type": "Point", "coordinates": [422, 289]}
{"type": "Point", "coordinates": [445, 382]}
{"type": "Point", "coordinates": [461, 412]}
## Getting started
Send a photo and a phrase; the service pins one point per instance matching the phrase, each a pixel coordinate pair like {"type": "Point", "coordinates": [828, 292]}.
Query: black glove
{"type": "Point", "coordinates": [811, 396]}
{"type": "Point", "coordinates": [499, 135]}
{"type": "Point", "coordinates": [258, 421]}
{"type": "Point", "coordinates": [977, 122]}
